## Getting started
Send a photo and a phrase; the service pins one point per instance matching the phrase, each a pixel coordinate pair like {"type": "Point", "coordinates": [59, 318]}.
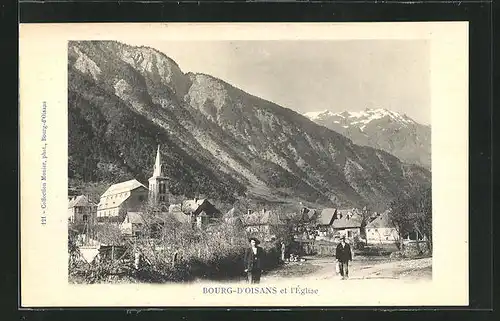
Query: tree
{"type": "Point", "coordinates": [423, 216]}
{"type": "Point", "coordinates": [399, 215]}
{"type": "Point", "coordinates": [108, 233]}
{"type": "Point", "coordinates": [365, 217]}
{"type": "Point", "coordinates": [413, 212]}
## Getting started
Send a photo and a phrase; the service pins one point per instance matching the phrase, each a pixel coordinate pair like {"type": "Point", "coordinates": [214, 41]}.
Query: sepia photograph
{"type": "Point", "coordinates": [244, 164]}
{"type": "Point", "coordinates": [249, 161]}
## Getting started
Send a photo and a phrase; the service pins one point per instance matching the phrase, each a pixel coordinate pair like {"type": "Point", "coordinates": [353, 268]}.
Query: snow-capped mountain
{"type": "Point", "coordinates": [382, 129]}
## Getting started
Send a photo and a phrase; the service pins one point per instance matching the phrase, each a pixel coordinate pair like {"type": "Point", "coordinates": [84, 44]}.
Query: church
{"type": "Point", "coordinates": [130, 196]}
{"type": "Point", "coordinates": [121, 203]}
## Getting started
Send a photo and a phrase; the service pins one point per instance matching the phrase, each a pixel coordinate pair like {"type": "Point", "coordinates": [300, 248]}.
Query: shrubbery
{"type": "Point", "coordinates": [180, 254]}
{"type": "Point", "coordinates": [358, 244]}
{"type": "Point", "coordinates": [412, 250]}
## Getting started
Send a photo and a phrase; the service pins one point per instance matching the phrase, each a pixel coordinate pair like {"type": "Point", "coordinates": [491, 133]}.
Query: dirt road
{"type": "Point", "coordinates": [321, 268]}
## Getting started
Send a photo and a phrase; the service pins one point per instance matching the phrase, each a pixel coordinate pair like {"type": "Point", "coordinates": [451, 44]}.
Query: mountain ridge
{"type": "Point", "coordinates": [383, 129]}
{"type": "Point", "coordinates": [216, 139]}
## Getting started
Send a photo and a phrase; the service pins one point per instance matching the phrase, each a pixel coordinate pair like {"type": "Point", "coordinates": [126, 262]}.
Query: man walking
{"type": "Point", "coordinates": [252, 261]}
{"type": "Point", "coordinates": [344, 255]}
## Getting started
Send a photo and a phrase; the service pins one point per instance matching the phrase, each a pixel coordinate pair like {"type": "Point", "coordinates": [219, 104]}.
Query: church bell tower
{"type": "Point", "coordinates": [158, 182]}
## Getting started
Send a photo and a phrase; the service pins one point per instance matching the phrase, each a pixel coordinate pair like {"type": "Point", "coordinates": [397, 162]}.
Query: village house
{"type": "Point", "coordinates": [324, 221]}
{"type": "Point", "coordinates": [81, 210]}
{"type": "Point", "coordinates": [265, 222]}
{"type": "Point", "coordinates": [198, 212]}
{"type": "Point", "coordinates": [305, 216]}
{"type": "Point", "coordinates": [381, 230]}
{"type": "Point", "coordinates": [232, 218]}
{"type": "Point", "coordinates": [135, 222]}
{"type": "Point", "coordinates": [348, 223]}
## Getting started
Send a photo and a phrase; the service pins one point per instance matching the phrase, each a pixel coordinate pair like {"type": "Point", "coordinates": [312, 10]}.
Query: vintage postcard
{"type": "Point", "coordinates": [231, 164]}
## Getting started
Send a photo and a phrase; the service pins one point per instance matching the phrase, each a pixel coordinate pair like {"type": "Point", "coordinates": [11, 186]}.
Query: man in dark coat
{"type": "Point", "coordinates": [344, 255]}
{"type": "Point", "coordinates": [253, 261]}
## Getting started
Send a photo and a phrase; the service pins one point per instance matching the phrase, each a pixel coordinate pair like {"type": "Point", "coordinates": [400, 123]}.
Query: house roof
{"type": "Point", "coordinates": [191, 205]}
{"type": "Point", "coordinates": [138, 218]}
{"type": "Point", "coordinates": [230, 213]}
{"type": "Point", "coordinates": [311, 214]}
{"type": "Point", "coordinates": [234, 220]}
{"type": "Point", "coordinates": [262, 218]}
{"type": "Point", "coordinates": [80, 201]}
{"type": "Point", "coordinates": [123, 187]}
{"type": "Point", "coordinates": [347, 222]}
{"type": "Point", "coordinates": [326, 216]}
{"type": "Point", "coordinates": [381, 221]}
{"type": "Point", "coordinates": [135, 217]}
{"type": "Point", "coordinates": [349, 211]}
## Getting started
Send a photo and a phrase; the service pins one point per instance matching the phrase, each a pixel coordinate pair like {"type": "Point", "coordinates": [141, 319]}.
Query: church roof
{"type": "Point", "coordinates": [158, 168]}
{"type": "Point", "coordinates": [123, 187]}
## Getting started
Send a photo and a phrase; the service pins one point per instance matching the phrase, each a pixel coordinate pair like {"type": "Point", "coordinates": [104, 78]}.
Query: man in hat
{"type": "Point", "coordinates": [344, 255]}
{"type": "Point", "coordinates": [253, 258]}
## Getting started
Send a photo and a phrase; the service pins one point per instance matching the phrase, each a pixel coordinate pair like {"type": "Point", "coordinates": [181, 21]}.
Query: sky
{"type": "Point", "coordinates": [336, 75]}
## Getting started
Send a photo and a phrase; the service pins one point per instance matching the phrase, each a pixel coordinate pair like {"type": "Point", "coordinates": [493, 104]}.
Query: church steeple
{"type": "Point", "coordinates": [158, 182]}
{"type": "Point", "coordinates": [157, 171]}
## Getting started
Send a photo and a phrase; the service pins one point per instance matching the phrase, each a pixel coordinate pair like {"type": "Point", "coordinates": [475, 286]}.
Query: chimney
{"type": "Point", "coordinates": [195, 199]}
{"type": "Point", "coordinates": [249, 211]}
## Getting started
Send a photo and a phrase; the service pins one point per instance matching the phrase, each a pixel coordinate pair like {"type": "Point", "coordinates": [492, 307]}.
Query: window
{"type": "Point", "coordinates": [85, 218]}
{"type": "Point", "coordinates": [349, 233]}
{"type": "Point", "coordinates": [162, 198]}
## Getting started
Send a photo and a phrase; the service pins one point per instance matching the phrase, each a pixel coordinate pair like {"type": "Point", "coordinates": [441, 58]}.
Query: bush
{"type": "Point", "coordinates": [358, 244]}
{"type": "Point", "coordinates": [180, 254]}
{"type": "Point", "coordinates": [416, 249]}
{"type": "Point", "coordinates": [396, 255]}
